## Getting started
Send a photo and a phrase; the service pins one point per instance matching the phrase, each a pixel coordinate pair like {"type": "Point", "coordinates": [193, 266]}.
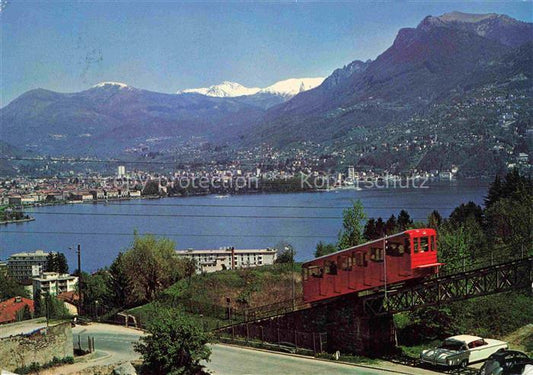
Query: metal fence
{"type": "Point", "coordinates": [283, 338]}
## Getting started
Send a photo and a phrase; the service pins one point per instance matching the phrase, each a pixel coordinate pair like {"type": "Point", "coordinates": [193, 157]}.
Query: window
{"type": "Point", "coordinates": [424, 244]}
{"type": "Point", "coordinates": [360, 259]}
{"type": "Point", "coordinates": [347, 263]}
{"type": "Point", "coordinates": [305, 273]}
{"type": "Point", "coordinates": [415, 245]}
{"type": "Point", "coordinates": [407, 244]}
{"type": "Point", "coordinates": [477, 344]}
{"type": "Point", "coordinates": [331, 268]}
{"type": "Point", "coordinates": [376, 254]}
{"type": "Point", "coordinates": [316, 271]}
{"type": "Point", "coordinates": [395, 249]}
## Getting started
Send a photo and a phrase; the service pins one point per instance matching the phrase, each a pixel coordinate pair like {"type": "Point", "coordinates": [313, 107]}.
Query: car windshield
{"type": "Point", "coordinates": [451, 345]}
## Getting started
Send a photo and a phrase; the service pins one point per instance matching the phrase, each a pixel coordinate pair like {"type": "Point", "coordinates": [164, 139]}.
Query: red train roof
{"type": "Point", "coordinates": [410, 232]}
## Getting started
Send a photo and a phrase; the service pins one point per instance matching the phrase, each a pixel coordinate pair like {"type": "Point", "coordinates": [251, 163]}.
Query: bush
{"type": "Point", "coordinates": [174, 344]}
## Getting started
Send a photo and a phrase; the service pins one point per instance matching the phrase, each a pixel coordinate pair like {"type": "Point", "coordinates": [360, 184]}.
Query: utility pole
{"type": "Point", "coordinates": [80, 301]}
{"type": "Point", "coordinates": [293, 281]}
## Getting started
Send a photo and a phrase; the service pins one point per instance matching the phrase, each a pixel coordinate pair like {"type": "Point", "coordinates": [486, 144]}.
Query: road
{"type": "Point", "coordinates": [232, 360]}
{"type": "Point", "coordinates": [115, 344]}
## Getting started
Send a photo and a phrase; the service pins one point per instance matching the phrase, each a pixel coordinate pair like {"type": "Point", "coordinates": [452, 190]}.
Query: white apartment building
{"type": "Point", "coordinates": [54, 283]}
{"type": "Point", "coordinates": [24, 266]}
{"type": "Point", "coordinates": [228, 258]}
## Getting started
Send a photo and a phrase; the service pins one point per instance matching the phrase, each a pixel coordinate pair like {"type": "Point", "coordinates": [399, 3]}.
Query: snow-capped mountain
{"type": "Point", "coordinates": [111, 84]}
{"type": "Point", "coordinates": [286, 88]}
{"type": "Point", "coordinates": [293, 86]}
{"type": "Point", "coordinates": [225, 89]}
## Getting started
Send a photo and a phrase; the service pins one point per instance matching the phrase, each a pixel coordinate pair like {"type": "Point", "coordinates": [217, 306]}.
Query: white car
{"type": "Point", "coordinates": [462, 350]}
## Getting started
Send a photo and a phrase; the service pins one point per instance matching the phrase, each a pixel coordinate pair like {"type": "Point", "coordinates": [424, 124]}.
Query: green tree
{"type": "Point", "coordinates": [61, 263]}
{"type": "Point", "coordinates": [52, 308]}
{"type": "Point", "coordinates": [391, 226]}
{"type": "Point", "coordinates": [151, 188]}
{"type": "Point", "coordinates": [461, 214]}
{"type": "Point", "coordinates": [404, 220]}
{"type": "Point", "coordinates": [352, 226]}
{"type": "Point", "coordinates": [187, 268]}
{"type": "Point", "coordinates": [369, 232]}
{"type": "Point", "coordinates": [118, 281]}
{"type": "Point", "coordinates": [56, 262]}
{"type": "Point", "coordinates": [434, 219]}
{"type": "Point", "coordinates": [461, 246]}
{"type": "Point", "coordinates": [174, 344]}
{"type": "Point", "coordinates": [324, 249]}
{"type": "Point", "coordinates": [50, 263]}
{"type": "Point", "coordinates": [150, 266]}
{"type": "Point", "coordinates": [495, 192]}
{"type": "Point", "coordinates": [96, 291]}
{"type": "Point", "coordinates": [9, 288]}
{"type": "Point", "coordinates": [285, 252]}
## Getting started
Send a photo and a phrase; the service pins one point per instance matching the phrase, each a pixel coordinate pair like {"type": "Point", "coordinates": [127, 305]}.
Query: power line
{"type": "Point", "coordinates": [188, 215]}
{"type": "Point", "coordinates": [269, 206]}
{"type": "Point", "coordinates": [200, 216]}
{"type": "Point", "coordinates": [167, 234]}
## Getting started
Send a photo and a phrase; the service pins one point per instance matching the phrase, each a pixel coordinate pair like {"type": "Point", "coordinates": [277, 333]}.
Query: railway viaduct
{"type": "Point", "coordinates": [362, 323]}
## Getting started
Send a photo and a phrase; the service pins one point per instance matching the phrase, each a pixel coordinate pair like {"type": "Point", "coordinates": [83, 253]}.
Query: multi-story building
{"type": "Point", "coordinates": [228, 258]}
{"type": "Point", "coordinates": [24, 266]}
{"type": "Point", "coordinates": [53, 283]}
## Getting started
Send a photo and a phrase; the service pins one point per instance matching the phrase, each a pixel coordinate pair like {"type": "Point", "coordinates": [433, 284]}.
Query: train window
{"type": "Point", "coordinates": [376, 254]}
{"type": "Point", "coordinates": [407, 246]}
{"type": "Point", "coordinates": [316, 271]}
{"type": "Point", "coordinates": [305, 273]}
{"type": "Point", "coordinates": [360, 259]}
{"type": "Point", "coordinates": [331, 268]}
{"type": "Point", "coordinates": [424, 244]}
{"type": "Point", "coordinates": [347, 263]}
{"type": "Point", "coordinates": [395, 249]}
{"type": "Point", "coordinates": [415, 245]}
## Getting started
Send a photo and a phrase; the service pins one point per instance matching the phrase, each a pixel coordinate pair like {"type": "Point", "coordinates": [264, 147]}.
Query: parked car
{"type": "Point", "coordinates": [506, 362]}
{"type": "Point", "coordinates": [461, 350]}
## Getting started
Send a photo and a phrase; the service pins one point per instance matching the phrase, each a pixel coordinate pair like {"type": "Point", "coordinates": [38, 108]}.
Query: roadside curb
{"type": "Point", "coordinates": [321, 359]}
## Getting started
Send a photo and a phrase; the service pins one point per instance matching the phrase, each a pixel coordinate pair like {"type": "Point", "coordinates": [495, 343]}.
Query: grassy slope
{"type": "Point", "coordinates": [206, 294]}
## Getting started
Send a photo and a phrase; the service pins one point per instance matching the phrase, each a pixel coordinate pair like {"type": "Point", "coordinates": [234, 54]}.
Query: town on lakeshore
{"type": "Point", "coordinates": [266, 188]}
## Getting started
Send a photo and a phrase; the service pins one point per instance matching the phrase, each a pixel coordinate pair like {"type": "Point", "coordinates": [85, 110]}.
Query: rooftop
{"type": "Point", "coordinates": [10, 307]}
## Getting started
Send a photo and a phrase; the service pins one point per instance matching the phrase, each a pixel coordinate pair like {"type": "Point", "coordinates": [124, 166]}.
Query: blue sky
{"type": "Point", "coordinates": [168, 45]}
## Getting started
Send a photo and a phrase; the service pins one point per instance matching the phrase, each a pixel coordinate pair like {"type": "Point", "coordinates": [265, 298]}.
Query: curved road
{"type": "Point", "coordinates": [115, 344]}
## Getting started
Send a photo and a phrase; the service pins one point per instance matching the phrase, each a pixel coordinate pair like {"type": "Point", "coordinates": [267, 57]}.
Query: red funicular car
{"type": "Point", "coordinates": [400, 257]}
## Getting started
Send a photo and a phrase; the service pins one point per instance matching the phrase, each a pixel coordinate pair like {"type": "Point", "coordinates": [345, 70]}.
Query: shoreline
{"type": "Point", "coordinates": [17, 221]}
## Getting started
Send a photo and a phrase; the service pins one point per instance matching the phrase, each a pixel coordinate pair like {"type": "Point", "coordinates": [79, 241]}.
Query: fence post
{"type": "Point", "coordinates": [247, 332]}
{"type": "Point", "coordinates": [79, 342]}
{"type": "Point", "coordinates": [320, 341]}
{"type": "Point", "coordinates": [278, 338]}
{"type": "Point", "coordinates": [89, 344]}
{"type": "Point", "coordinates": [92, 340]}
{"type": "Point", "coordinates": [296, 339]}
{"type": "Point", "coordinates": [314, 343]}
{"type": "Point", "coordinates": [262, 334]}
{"type": "Point", "coordinates": [233, 333]}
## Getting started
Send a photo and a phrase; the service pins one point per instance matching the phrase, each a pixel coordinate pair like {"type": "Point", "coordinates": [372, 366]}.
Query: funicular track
{"type": "Point", "coordinates": [454, 285]}
{"type": "Point", "coordinates": [502, 277]}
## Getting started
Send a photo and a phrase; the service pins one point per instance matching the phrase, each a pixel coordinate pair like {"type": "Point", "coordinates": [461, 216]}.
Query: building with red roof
{"type": "Point", "coordinates": [11, 308]}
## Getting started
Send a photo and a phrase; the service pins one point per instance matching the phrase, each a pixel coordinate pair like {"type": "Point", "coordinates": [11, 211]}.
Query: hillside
{"type": "Point", "coordinates": [421, 104]}
{"type": "Point", "coordinates": [109, 117]}
{"type": "Point", "coordinates": [425, 65]}
{"type": "Point", "coordinates": [247, 288]}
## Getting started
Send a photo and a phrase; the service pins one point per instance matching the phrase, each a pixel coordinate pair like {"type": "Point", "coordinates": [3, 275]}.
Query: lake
{"type": "Point", "coordinates": [211, 222]}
